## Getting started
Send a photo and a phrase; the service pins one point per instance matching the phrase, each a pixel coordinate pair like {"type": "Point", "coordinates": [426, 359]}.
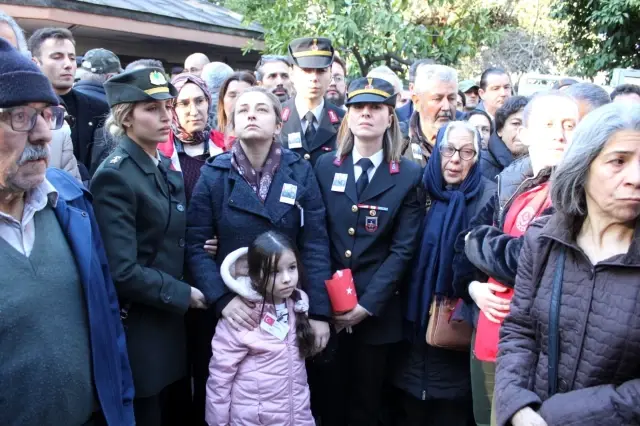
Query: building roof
{"type": "Point", "coordinates": [193, 14]}
{"type": "Point", "coordinates": [189, 10]}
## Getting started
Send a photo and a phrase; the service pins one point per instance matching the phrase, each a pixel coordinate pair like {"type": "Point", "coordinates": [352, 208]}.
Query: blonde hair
{"type": "Point", "coordinates": [392, 140]}
{"type": "Point", "coordinates": [275, 103]}
{"type": "Point", "coordinates": [115, 121]}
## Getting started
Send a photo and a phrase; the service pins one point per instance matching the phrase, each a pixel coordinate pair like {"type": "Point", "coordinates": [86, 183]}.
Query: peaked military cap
{"type": "Point", "coordinates": [311, 52]}
{"type": "Point", "coordinates": [371, 90]}
{"type": "Point", "coordinates": [145, 84]}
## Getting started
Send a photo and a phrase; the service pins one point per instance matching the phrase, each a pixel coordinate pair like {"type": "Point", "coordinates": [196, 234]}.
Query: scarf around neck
{"type": "Point", "coordinates": [180, 133]}
{"type": "Point", "coordinates": [432, 275]}
{"type": "Point", "coordinates": [259, 181]}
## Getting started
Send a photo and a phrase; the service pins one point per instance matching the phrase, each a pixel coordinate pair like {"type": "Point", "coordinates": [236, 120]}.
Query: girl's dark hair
{"type": "Point", "coordinates": [263, 257]}
{"type": "Point", "coordinates": [244, 76]}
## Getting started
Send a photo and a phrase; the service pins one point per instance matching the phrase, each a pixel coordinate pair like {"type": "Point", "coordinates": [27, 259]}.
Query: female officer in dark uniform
{"type": "Point", "coordinates": [373, 217]}
{"type": "Point", "coordinates": [140, 208]}
{"type": "Point", "coordinates": [256, 187]}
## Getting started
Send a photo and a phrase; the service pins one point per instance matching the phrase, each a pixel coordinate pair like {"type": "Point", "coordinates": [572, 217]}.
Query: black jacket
{"type": "Point", "coordinates": [91, 88]}
{"type": "Point", "coordinates": [90, 115]}
{"type": "Point", "coordinates": [224, 204]}
{"type": "Point", "coordinates": [426, 372]}
{"type": "Point", "coordinates": [138, 213]}
{"type": "Point", "coordinates": [495, 158]}
{"type": "Point", "coordinates": [488, 247]}
{"type": "Point", "coordinates": [325, 138]}
{"type": "Point", "coordinates": [376, 245]}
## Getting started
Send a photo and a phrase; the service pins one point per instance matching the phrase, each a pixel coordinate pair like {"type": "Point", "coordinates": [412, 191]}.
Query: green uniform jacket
{"type": "Point", "coordinates": [132, 207]}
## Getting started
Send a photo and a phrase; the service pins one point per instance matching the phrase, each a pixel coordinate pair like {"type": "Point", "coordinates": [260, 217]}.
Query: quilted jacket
{"type": "Point", "coordinates": [599, 333]}
{"type": "Point", "coordinates": [255, 379]}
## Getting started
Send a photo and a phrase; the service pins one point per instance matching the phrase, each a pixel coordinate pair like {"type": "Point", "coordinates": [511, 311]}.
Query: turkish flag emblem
{"type": "Point", "coordinates": [269, 319]}
{"type": "Point", "coordinates": [342, 291]}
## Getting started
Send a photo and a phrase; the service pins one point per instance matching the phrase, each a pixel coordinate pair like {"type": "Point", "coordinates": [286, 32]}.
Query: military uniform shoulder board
{"type": "Point", "coordinates": [114, 161]}
{"type": "Point", "coordinates": [286, 112]}
{"type": "Point", "coordinates": [333, 116]}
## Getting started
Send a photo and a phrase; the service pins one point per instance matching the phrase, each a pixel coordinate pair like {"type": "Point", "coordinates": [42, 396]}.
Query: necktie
{"type": "Point", "coordinates": [365, 164]}
{"type": "Point", "coordinates": [310, 133]}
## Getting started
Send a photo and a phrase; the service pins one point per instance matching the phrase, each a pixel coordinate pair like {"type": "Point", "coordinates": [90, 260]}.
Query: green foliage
{"type": "Point", "coordinates": [600, 34]}
{"type": "Point", "coordinates": [376, 32]}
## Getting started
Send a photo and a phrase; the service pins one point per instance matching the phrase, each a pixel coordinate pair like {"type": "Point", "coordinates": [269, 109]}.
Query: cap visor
{"type": "Point", "coordinates": [314, 62]}
{"type": "Point", "coordinates": [368, 98]}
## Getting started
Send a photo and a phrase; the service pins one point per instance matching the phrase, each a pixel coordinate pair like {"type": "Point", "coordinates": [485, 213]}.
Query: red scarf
{"type": "Point", "coordinates": [525, 208]}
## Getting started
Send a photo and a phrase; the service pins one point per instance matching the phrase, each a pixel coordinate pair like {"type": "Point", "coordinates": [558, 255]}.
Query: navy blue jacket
{"type": "Point", "coordinates": [377, 245]}
{"type": "Point", "coordinates": [91, 88]}
{"type": "Point", "coordinates": [224, 204]}
{"type": "Point", "coordinates": [111, 372]}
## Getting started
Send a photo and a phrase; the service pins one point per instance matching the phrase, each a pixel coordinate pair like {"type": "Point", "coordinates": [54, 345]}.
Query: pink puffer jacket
{"type": "Point", "coordinates": [257, 379]}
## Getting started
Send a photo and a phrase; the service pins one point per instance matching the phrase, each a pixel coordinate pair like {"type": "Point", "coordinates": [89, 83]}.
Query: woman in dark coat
{"type": "Point", "coordinates": [435, 381]}
{"type": "Point", "coordinates": [374, 216]}
{"type": "Point", "coordinates": [569, 349]}
{"type": "Point", "coordinates": [140, 208]}
{"type": "Point", "coordinates": [256, 187]}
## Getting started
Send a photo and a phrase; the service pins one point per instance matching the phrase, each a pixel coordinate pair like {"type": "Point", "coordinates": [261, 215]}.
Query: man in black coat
{"type": "Point", "coordinates": [54, 51]}
{"type": "Point", "coordinates": [310, 124]}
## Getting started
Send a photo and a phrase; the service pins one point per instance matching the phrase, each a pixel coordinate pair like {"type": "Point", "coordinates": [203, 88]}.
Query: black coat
{"type": "Point", "coordinates": [426, 372]}
{"type": "Point", "coordinates": [91, 88]}
{"type": "Point", "coordinates": [91, 113]}
{"type": "Point", "coordinates": [495, 158]}
{"type": "Point", "coordinates": [325, 138]}
{"type": "Point", "coordinates": [379, 258]}
{"type": "Point", "coordinates": [138, 213]}
{"type": "Point", "coordinates": [224, 204]}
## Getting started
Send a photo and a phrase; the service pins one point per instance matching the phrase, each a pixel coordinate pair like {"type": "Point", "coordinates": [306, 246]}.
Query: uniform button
{"type": "Point", "coordinates": [180, 207]}
{"type": "Point", "coordinates": [166, 298]}
{"type": "Point", "coordinates": [347, 254]}
{"type": "Point", "coordinates": [181, 242]}
{"type": "Point", "coordinates": [354, 208]}
{"type": "Point", "coordinates": [352, 231]}
{"type": "Point", "coordinates": [307, 156]}
{"type": "Point", "coordinates": [372, 213]}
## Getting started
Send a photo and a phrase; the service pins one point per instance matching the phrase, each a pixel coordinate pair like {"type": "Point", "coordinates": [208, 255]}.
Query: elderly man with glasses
{"type": "Point", "coordinates": [63, 347]}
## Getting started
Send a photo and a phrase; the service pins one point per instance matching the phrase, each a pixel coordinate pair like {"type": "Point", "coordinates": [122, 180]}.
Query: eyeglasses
{"type": "Point", "coordinates": [337, 78]}
{"type": "Point", "coordinates": [23, 118]}
{"type": "Point", "coordinates": [465, 153]}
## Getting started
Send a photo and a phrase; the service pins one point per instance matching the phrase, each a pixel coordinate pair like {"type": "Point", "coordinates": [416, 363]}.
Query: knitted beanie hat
{"type": "Point", "coordinates": [21, 81]}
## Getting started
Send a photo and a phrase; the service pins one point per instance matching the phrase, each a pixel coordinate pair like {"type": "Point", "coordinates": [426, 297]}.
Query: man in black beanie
{"type": "Point", "coordinates": [63, 356]}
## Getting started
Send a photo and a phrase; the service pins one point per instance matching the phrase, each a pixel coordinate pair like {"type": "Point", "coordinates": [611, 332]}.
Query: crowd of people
{"type": "Point", "coordinates": [167, 241]}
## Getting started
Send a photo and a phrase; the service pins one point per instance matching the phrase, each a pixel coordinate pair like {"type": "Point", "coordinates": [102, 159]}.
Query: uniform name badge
{"type": "Point", "coordinates": [371, 223]}
{"type": "Point", "coordinates": [288, 195]}
{"type": "Point", "coordinates": [417, 151]}
{"type": "Point", "coordinates": [271, 325]}
{"type": "Point", "coordinates": [339, 182]}
{"type": "Point", "coordinates": [295, 140]}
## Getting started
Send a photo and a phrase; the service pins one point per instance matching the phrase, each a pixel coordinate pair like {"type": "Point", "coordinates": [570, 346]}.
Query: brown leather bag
{"type": "Point", "coordinates": [442, 331]}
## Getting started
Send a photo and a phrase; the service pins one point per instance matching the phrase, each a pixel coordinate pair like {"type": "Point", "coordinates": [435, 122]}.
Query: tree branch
{"type": "Point", "coordinates": [364, 68]}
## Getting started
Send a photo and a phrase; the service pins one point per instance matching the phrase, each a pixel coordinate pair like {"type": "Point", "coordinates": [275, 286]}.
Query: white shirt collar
{"type": "Point", "coordinates": [303, 110]}
{"type": "Point", "coordinates": [36, 199]}
{"type": "Point", "coordinates": [156, 159]}
{"type": "Point", "coordinates": [376, 158]}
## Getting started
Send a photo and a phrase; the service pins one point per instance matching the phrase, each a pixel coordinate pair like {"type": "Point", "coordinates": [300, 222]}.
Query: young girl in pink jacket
{"type": "Point", "coordinates": [258, 377]}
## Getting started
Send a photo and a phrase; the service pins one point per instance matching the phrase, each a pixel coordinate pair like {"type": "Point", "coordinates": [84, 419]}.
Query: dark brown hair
{"type": "Point", "coordinates": [43, 34]}
{"type": "Point", "coordinates": [337, 59]}
{"type": "Point", "coordinates": [263, 257]}
{"type": "Point", "coordinates": [245, 76]}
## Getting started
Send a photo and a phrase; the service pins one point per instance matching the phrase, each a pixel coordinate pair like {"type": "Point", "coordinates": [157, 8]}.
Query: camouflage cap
{"type": "Point", "coordinates": [101, 61]}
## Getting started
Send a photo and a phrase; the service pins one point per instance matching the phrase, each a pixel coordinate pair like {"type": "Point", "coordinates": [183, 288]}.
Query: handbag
{"type": "Point", "coordinates": [444, 332]}
{"type": "Point", "coordinates": [554, 323]}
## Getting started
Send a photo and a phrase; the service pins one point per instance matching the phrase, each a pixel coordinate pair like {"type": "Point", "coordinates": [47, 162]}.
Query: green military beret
{"type": "Point", "coordinates": [146, 84]}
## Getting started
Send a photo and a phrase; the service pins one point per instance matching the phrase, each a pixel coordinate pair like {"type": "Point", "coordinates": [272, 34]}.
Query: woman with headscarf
{"type": "Point", "coordinates": [191, 140]}
{"type": "Point", "coordinates": [435, 380]}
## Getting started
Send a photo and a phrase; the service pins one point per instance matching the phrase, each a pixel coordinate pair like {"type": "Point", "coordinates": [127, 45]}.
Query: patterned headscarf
{"type": "Point", "coordinates": [179, 132]}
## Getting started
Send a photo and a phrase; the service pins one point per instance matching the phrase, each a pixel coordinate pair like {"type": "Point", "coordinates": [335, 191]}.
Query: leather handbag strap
{"type": "Point", "coordinates": [554, 323]}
